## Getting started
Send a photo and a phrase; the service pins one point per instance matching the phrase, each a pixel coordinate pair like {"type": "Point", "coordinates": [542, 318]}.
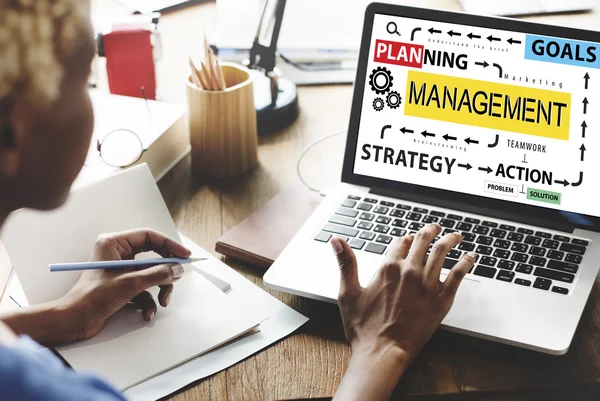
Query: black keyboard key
{"type": "Point", "coordinates": [371, 200]}
{"type": "Point", "coordinates": [403, 207]}
{"type": "Point", "coordinates": [353, 197]}
{"type": "Point", "coordinates": [397, 213]}
{"type": "Point", "coordinates": [519, 257]}
{"type": "Point", "coordinates": [506, 264]}
{"type": "Point", "coordinates": [349, 203]}
{"type": "Point", "coordinates": [472, 220]}
{"type": "Point", "coordinates": [525, 231]}
{"type": "Point", "coordinates": [483, 250]}
{"type": "Point", "coordinates": [448, 231]}
{"type": "Point", "coordinates": [365, 225]}
{"type": "Point", "coordinates": [466, 246]}
{"type": "Point", "coordinates": [576, 249]}
{"type": "Point", "coordinates": [505, 275]}
{"type": "Point", "coordinates": [342, 211]}
{"type": "Point", "coordinates": [398, 232]}
{"type": "Point", "coordinates": [462, 226]}
{"type": "Point", "coordinates": [498, 233]}
{"type": "Point", "coordinates": [543, 234]}
{"type": "Point", "coordinates": [563, 266]}
{"type": "Point", "coordinates": [430, 219]}
{"type": "Point", "coordinates": [383, 220]}
{"type": "Point", "coordinates": [520, 281]}
{"type": "Point", "coordinates": [507, 227]}
{"type": "Point", "coordinates": [537, 261]}
{"type": "Point", "coordinates": [501, 253]}
{"type": "Point", "coordinates": [414, 216]}
{"type": "Point", "coordinates": [531, 240]}
{"type": "Point", "coordinates": [556, 255]}
{"type": "Point", "coordinates": [356, 243]}
{"type": "Point", "coordinates": [488, 261]}
{"type": "Point", "coordinates": [519, 248]}
{"type": "Point", "coordinates": [365, 206]}
{"type": "Point", "coordinates": [573, 258]}
{"type": "Point", "coordinates": [367, 235]}
{"type": "Point", "coordinates": [468, 237]}
{"type": "Point", "coordinates": [524, 268]}
{"type": "Point", "coordinates": [384, 239]}
{"type": "Point", "coordinates": [454, 217]}
{"type": "Point", "coordinates": [379, 228]}
{"type": "Point", "coordinates": [399, 223]}
{"type": "Point", "coordinates": [580, 242]}
{"type": "Point", "coordinates": [550, 244]}
{"type": "Point", "coordinates": [381, 210]}
{"type": "Point", "coordinates": [515, 237]}
{"type": "Point", "coordinates": [344, 221]}
{"type": "Point", "coordinates": [502, 244]}
{"type": "Point", "coordinates": [335, 229]}
{"type": "Point", "coordinates": [537, 251]}
{"type": "Point", "coordinates": [481, 230]}
{"type": "Point", "coordinates": [542, 283]}
{"type": "Point", "coordinates": [437, 214]}
{"type": "Point", "coordinates": [323, 237]}
{"type": "Point", "coordinates": [447, 223]}
{"type": "Point", "coordinates": [554, 275]}
{"type": "Point", "coordinates": [485, 271]}
{"type": "Point", "coordinates": [420, 210]}
{"type": "Point", "coordinates": [483, 240]}
{"type": "Point", "coordinates": [375, 248]}
{"type": "Point", "coordinates": [367, 216]}
{"type": "Point", "coordinates": [454, 254]}
{"type": "Point", "coordinates": [561, 238]}
{"type": "Point", "coordinates": [489, 224]}
{"type": "Point", "coordinates": [416, 226]}
{"type": "Point", "coordinates": [386, 203]}
{"type": "Point", "coordinates": [560, 290]}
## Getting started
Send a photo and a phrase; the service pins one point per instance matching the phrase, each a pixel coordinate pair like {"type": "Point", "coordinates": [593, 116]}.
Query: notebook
{"type": "Point", "coordinates": [129, 350]}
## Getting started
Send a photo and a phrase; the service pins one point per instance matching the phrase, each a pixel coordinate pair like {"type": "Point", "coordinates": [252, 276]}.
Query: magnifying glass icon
{"type": "Point", "coordinates": [392, 28]}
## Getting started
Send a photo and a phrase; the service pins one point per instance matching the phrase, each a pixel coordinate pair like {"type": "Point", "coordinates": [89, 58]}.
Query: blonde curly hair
{"type": "Point", "coordinates": [36, 37]}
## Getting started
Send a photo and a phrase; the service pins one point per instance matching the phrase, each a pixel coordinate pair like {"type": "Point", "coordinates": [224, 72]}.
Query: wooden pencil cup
{"type": "Point", "coordinates": [223, 130]}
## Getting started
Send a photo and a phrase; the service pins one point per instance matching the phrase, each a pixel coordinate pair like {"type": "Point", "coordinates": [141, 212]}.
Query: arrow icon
{"type": "Point", "coordinates": [426, 134]}
{"type": "Point", "coordinates": [524, 158]}
{"type": "Point", "coordinates": [432, 31]}
{"type": "Point", "coordinates": [583, 127]}
{"type": "Point", "coordinates": [452, 33]}
{"type": "Point", "coordinates": [473, 36]}
{"type": "Point", "coordinates": [470, 141]}
{"type": "Point", "coordinates": [583, 149]}
{"type": "Point", "coordinates": [499, 69]}
{"type": "Point", "coordinates": [448, 137]}
{"type": "Point", "coordinates": [578, 183]}
{"type": "Point", "coordinates": [587, 78]}
{"type": "Point", "coordinates": [412, 35]}
{"type": "Point", "coordinates": [493, 145]}
{"type": "Point", "coordinates": [563, 182]}
{"type": "Point", "coordinates": [585, 104]}
{"type": "Point", "coordinates": [484, 64]}
{"type": "Point", "coordinates": [493, 39]}
{"type": "Point", "coordinates": [522, 188]}
{"type": "Point", "coordinates": [513, 41]}
{"type": "Point", "coordinates": [486, 169]}
{"type": "Point", "coordinates": [467, 166]}
{"type": "Point", "coordinates": [385, 128]}
{"type": "Point", "coordinates": [405, 130]}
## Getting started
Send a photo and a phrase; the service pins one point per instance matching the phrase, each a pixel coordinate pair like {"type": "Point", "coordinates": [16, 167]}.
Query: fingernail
{"type": "Point", "coordinates": [336, 244]}
{"type": "Point", "coordinates": [151, 316]}
{"type": "Point", "coordinates": [177, 271]}
{"type": "Point", "coordinates": [168, 298]}
{"type": "Point", "coordinates": [472, 255]}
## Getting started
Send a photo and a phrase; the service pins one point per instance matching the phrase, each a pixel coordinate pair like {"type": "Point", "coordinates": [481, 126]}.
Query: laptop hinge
{"type": "Point", "coordinates": [499, 214]}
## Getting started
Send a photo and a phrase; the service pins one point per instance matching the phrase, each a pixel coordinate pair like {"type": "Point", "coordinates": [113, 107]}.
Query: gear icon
{"type": "Point", "coordinates": [394, 100]}
{"type": "Point", "coordinates": [378, 104]}
{"type": "Point", "coordinates": [381, 80]}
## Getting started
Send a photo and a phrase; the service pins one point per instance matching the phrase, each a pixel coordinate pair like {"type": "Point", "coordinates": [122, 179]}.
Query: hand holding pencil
{"type": "Point", "coordinates": [210, 75]}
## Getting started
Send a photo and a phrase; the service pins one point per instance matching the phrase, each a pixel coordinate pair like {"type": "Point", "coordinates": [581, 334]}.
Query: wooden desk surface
{"type": "Point", "coordinates": [310, 364]}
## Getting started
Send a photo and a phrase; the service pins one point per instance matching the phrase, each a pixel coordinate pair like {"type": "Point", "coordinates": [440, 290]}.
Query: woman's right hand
{"type": "Point", "coordinates": [388, 322]}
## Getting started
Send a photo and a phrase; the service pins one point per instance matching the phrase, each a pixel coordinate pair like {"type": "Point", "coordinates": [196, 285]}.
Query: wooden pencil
{"type": "Point", "coordinates": [220, 75]}
{"type": "Point", "coordinates": [195, 77]}
{"type": "Point", "coordinates": [206, 75]}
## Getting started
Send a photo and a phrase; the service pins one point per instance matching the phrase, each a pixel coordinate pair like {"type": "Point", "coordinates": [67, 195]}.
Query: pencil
{"type": "Point", "coordinates": [195, 77]}
{"type": "Point", "coordinates": [206, 74]}
{"type": "Point", "coordinates": [221, 76]}
{"type": "Point", "coordinates": [213, 70]}
{"type": "Point", "coordinates": [121, 264]}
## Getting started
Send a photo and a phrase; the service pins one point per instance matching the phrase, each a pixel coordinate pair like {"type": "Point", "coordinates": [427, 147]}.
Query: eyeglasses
{"type": "Point", "coordinates": [119, 148]}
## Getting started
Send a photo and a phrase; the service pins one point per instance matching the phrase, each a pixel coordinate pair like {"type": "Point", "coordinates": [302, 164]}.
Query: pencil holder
{"type": "Point", "coordinates": [223, 130]}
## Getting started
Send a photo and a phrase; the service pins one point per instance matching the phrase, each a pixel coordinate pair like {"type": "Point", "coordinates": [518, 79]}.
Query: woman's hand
{"type": "Point", "coordinates": [390, 321]}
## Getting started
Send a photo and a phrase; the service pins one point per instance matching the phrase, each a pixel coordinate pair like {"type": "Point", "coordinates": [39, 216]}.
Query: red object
{"type": "Point", "coordinates": [130, 63]}
{"type": "Point", "coordinates": [398, 53]}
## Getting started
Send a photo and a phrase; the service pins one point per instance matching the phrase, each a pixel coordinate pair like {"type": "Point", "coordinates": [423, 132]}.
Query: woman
{"type": "Point", "coordinates": [46, 124]}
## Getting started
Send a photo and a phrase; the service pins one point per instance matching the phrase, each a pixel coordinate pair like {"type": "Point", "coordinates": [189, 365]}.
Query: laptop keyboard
{"type": "Point", "coordinates": [509, 253]}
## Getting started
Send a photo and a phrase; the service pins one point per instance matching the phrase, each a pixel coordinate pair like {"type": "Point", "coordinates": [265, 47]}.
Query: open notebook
{"type": "Point", "coordinates": [129, 350]}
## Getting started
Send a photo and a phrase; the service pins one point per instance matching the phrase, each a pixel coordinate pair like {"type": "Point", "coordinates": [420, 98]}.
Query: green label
{"type": "Point", "coordinates": [543, 196]}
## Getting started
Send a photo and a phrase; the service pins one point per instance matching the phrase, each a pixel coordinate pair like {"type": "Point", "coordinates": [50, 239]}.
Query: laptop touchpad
{"type": "Point", "coordinates": [461, 309]}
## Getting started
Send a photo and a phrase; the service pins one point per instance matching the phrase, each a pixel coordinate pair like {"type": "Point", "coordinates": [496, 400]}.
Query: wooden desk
{"type": "Point", "coordinates": [310, 364]}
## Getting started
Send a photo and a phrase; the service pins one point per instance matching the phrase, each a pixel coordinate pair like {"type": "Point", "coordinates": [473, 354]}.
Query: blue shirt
{"type": "Point", "coordinates": [31, 372]}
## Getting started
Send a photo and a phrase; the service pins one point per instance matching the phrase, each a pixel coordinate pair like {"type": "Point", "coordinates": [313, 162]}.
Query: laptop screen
{"type": "Point", "coordinates": [494, 113]}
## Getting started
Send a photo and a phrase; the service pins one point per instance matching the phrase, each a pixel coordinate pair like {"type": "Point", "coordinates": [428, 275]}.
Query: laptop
{"type": "Point", "coordinates": [525, 7]}
{"type": "Point", "coordinates": [488, 127]}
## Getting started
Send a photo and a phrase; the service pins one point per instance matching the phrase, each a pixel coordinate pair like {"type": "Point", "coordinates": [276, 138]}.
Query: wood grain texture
{"type": "Point", "coordinates": [310, 364]}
